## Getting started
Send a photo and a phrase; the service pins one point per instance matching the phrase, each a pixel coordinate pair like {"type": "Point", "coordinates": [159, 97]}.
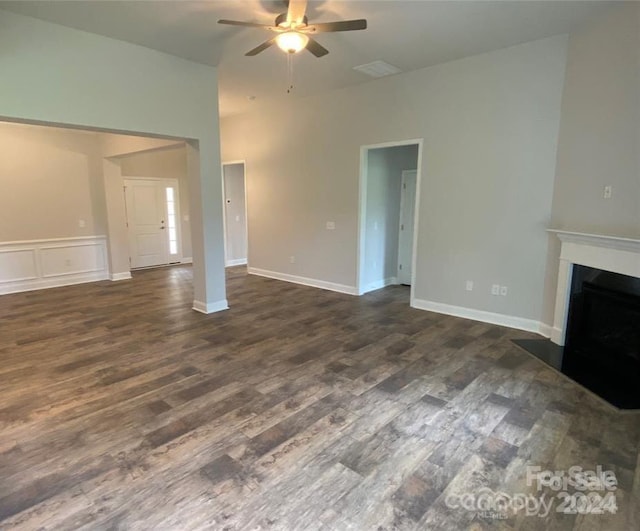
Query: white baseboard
{"type": "Point", "coordinates": [372, 286]}
{"type": "Point", "coordinates": [211, 307]}
{"type": "Point", "coordinates": [500, 319]}
{"type": "Point", "coordinates": [69, 280]}
{"type": "Point", "coordinates": [545, 330]}
{"type": "Point", "coordinates": [186, 260]}
{"type": "Point", "coordinates": [312, 282]}
{"type": "Point", "coordinates": [557, 336]}
{"type": "Point", "coordinates": [125, 275]}
{"type": "Point", "coordinates": [239, 261]}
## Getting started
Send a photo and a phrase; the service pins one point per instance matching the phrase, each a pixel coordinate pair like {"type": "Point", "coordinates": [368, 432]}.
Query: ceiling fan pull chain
{"type": "Point", "coordinates": [289, 73]}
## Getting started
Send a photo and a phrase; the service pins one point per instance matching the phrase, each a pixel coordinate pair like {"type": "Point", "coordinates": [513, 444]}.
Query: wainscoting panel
{"type": "Point", "coordinates": [17, 265]}
{"type": "Point", "coordinates": [38, 264]}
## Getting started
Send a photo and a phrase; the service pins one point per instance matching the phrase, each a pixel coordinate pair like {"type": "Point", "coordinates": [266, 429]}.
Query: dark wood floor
{"type": "Point", "coordinates": [121, 408]}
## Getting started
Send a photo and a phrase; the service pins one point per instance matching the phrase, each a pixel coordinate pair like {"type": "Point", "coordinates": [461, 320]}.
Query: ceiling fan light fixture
{"type": "Point", "coordinates": [292, 41]}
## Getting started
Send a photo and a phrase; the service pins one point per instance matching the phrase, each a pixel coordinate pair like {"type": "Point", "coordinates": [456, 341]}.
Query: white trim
{"type": "Point", "coordinates": [598, 240]}
{"type": "Point", "coordinates": [545, 330]}
{"type": "Point", "coordinates": [229, 263]}
{"type": "Point", "coordinates": [416, 223]}
{"type": "Point", "coordinates": [187, 260]}
{"type": "Point", "coordinates": [608, 253]}
{"type": "Point", "coordinates": [38, 264]}
{"type": "Point", "coordinates": [372, 286]}
{"type": "Point", "coordinates": [362, 207]}
{"type": "Point", "coordinates": [500, 319]}
{"type": "Point", "coordinates": [54, 240]}
{"type": "Point", "coordinates": [210, 307]}
{"type": "Point", "coordinates": [46, 283]}
{"type": "Point", "coordinates": [126, 275]}
{"type": "Point", "coordinates": [557, 336]}
{"type": "Point", "coordinates": [362, 217]}
{"type": "Point", "coordinates": [312, 282]}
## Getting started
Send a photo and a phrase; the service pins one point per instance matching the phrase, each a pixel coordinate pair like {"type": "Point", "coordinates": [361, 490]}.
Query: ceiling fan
{"type": "Point", "coordinates": [293, 30]}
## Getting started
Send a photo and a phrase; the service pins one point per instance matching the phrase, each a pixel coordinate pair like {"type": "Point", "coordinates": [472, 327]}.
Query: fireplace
{"type": "Point", "coordinates": [602, 346]}
{"type": "Point", "coordinates": [595, 338]}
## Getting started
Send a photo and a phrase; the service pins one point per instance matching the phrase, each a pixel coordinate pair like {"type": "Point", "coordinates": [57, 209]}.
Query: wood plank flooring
{"type": "Point", "coordinates": [121, 408]}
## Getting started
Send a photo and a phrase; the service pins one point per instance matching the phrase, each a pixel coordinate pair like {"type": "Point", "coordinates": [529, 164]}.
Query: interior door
{"type": "Point", "coordinates": [147, 222]}
{"type": "Point", "coordinates": [235, 214]}
{"type": "Point", "coordinates": [405, 241]}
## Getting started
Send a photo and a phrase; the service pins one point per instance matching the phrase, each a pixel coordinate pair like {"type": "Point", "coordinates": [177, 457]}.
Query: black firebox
{"type": "Point", "coordinates": [602, 346]}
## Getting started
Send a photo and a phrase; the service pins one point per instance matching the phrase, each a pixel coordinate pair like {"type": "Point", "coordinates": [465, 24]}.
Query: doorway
{"type": "Point", "coordinates": [152, 214]}
{"type": "Point", "coordinates": [235, 213]}
{"type": "Point", "coordinates": [389, 183]}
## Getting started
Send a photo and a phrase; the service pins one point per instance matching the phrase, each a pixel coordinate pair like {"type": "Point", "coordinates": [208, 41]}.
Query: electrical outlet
{"type": "Point", "coordinates": [81, 223]}
{"type": "Point", "coordinates": [503, 291]}
{"type": "Point", "coordinates": [608, 190]}
{"type": "Point", "coordinates": [469, 285]}
{"type": "Point", "coordinates": [292, 259]}
{"type": "Point", "coordinates": [495, 289]}
{"type": "Point", "coordinates": [331, 225]}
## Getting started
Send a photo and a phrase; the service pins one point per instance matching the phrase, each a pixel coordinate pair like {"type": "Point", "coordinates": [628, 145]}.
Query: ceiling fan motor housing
{"type": "Point", "coordinates": [281, 21]}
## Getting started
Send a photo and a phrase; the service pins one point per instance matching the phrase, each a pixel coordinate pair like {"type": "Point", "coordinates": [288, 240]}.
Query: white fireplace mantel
{"type": "Point", "coordinates": [609, 253]}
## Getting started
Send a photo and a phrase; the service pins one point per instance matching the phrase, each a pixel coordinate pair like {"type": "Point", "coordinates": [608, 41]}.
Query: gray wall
{"type": "Point", "coordinates": [599, 141]}
{"type": "Point", "coordinates": [385, 166]}
{"type": "Point", "coordinates": [50, 179]}
{"type": "Point", "coordinates": [236, 220]}
{"type": "Point", "coordinates": [600, 128]}
{"type": "Point", "coordinates": [490, 127]}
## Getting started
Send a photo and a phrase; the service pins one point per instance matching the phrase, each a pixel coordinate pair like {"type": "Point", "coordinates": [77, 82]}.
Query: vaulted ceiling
{"type": "Point", "coordinates": [408, 34]}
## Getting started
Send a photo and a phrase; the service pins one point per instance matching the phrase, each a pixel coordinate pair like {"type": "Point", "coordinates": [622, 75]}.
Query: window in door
{"type": "Point", "coordinates": [171, 221]}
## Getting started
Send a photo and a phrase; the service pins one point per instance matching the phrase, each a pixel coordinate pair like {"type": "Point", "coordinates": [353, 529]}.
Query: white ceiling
{"type": "Point", "coordinates": [409, 34]}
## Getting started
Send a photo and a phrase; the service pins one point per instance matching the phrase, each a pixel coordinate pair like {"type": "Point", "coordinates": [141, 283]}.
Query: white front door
{"type": "Point", "coordinates": [152, 222]}
{"type": "Point", "coordinates": [405, 241]}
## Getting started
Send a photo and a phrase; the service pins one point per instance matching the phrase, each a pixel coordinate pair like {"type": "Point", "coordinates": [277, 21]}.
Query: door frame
{"type": "Point", "coordinates": [362, 209]}
{"type": "Point", "coordinates": [176, 184]}
{"type": "Point", "coordinates": [224, 208]}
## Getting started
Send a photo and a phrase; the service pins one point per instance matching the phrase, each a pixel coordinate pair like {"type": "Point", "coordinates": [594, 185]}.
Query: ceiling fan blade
{"type": "Point", "coordinates": [296, 11]}
{"type": "Point", "coordinates": [240, 23]}
{"type": "Point", "coordinates": [343, 25]}
{"type": "Point", "coordinates": [316, 48]}
{"type": "Point", "coordinates": [261, 48]}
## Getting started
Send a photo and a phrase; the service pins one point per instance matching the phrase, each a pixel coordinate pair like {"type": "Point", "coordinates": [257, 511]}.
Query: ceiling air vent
{"type": "Point", "coordinates": [378, 69]}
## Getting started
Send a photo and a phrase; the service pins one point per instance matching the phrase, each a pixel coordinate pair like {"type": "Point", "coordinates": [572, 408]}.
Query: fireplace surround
{"type": "Point", "coordinates": [597, 315]}
{"type": "Point", "coordinates": [606, 253]}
